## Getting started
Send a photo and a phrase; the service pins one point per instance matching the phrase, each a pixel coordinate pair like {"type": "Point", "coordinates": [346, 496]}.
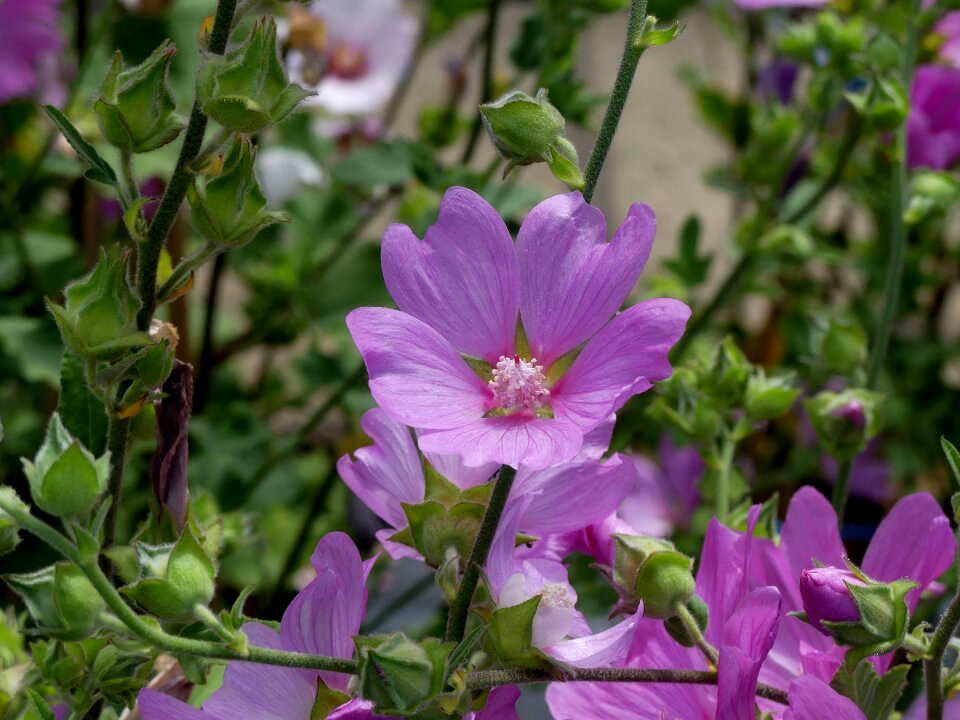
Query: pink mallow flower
{"type": "Point", "coordinates": [914, 541]}
{"type": "Point", "coordinates": [947, 29]}
{"type": "Point", "coordinates": [933, 126]}
{"type": "Point", "coordinates": [359, 54]}
{"type": "Point", "coordinates": [30, 41]}
{"type": "Point", "coordinates": [561, 499]}
{"type": "Point", "coordinates": [461, 290]}
{"type": "Point", "coordinates": [322, 620]}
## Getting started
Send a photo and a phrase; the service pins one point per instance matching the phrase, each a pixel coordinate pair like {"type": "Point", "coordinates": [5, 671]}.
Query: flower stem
{"type": "Point", "coordinates": [723, 478]}
{"type": "Point", "coordinates": [129, 191]}
{"type": "Point", "coordinates": [621, 88]}
{"type": "Point", "coordinates": [693, 629]}
{"type": "Point", "coordinates": [932, 667]}
{"type": "Point", "coordinates": [148, 630]}
{"type": "Point", "coordinates": [149, 256]}
{"type": "Point", "coordinates": [482, 679]}
{"type": "Point", "coordinates": [486, 86]}
{"type": "Point", "coordinates": [457, 619]}
{"type": "Point", "coordinates": [118, 430]}
{"type": "Point", "coordinates": [839, 497]}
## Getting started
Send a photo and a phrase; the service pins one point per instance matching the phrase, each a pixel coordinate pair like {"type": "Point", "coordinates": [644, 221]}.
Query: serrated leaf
{"type": "Point", "coordinates": [100, 169]}
{"type": "Point", "coordinates": [874, 694]}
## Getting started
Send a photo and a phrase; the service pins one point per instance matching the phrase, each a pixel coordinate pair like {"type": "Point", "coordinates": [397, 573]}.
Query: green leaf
{"type": "Point", "coordinates": [379, 164]}
{"type": "Point", "coordinates": [462, 651]}
{"type": "Point", "coordinates": [876, 695]}
{"type": "Point", "coordinates": [40, 705]}
{"type": "Point", "coordinates": [100, 169]}
{"type": "Point", "coordinates": [953, 458]}
{"type": "Point", "coordinates": [689, 265]}
{"type": "Point", "coordinates": [81, 412]}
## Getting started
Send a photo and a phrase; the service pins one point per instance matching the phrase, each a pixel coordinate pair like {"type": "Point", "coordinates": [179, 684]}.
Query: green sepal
{"type": "Point", "coordinates": [839, 436]}
{"type": "Point", "coordinates": [434, 529]}
{"type": "Point", "coordinates": [563, 164]}
{"type": "Point", "coordinates": [509, 636]}
{"type": "Point", "coordinates": [768, 398]}
{"type": "Point", "coordinates": [399, 675]}
{"type": "Point", "coordinates": [247, 90]}
{"type": "Point", "coordinates": [327, 701]}
{"type": "Point", "coordinates": [60, 599]}
{"type": "Point", "coordinates": [64, 477]}
{"type": "Point", "coordinates": [175, 578]}
{"type": "Point", "coordinates": [100, 170]}
{"type": "Point", "coordinates": [136, 108]}
{"type": "Point", "coordinates": [876, 695]}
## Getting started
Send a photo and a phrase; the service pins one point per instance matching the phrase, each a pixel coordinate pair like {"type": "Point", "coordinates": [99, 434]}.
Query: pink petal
{"type": "Point", "coordinates": [813, 699]}
{"type": "Point", "coordinates": [155, 705]}
{"type": "Point", "coordinates": [501, 705]}
{"type": "Point", "coordinates": [512, 440]}
{"type": "Point", "coordinates": [747, 638]}
{"type": "Point", "coordinates": [625, 358]}
{"type": "Point", "coordinates": [810, 532]}
{"type": "Point", "coordinates": [396, 550]}
{"type": "Point", "coordinates": [453, 469]}
{"type": "Point", "coordinates": [323, 618]}
{"type": "Point", "coordinates": [267, 691]}
{"type": "Point", "coordinates": [573, 279]}
{"type": "Point", "coordinates": [501, 561]}
{"type": "Point", "coordinates": [462, 279]}
{"type": "Point", "coordinates": [603, 649]}
{"type": "Point", "coordinates": [387, 473]}
{"type": "Point", "coordinates": [414, 373]}
{"type": "Point", "coordinates": [914, 541]}
{"type": "Point", "coordinates": [571, 496]}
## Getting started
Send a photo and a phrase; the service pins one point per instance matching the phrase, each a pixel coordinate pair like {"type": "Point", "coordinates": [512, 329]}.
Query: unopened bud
{"type": "Point", "coordinates": [845, 421]}
{"type": "Point", "coordinates": [60, 599]}
{"type": "Point", "coordinates": [653, 572]}
{"type": "Point", "coordinates": [826, 596]}
{"type": "Point", "coordinates": [400, 675]}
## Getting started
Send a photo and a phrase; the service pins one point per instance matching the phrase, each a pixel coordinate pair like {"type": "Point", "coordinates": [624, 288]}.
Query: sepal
{"type": "Point", "coordinates": [399, 675]}
{"type": "Point", "coordinates": [60, 599]}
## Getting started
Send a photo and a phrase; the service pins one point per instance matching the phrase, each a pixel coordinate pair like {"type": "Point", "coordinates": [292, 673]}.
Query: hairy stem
{"type": "Point", "coordinates": [932, 667]}
{"type": "Point", "coordinates": [118, 430]}
{"type": "Point", "coordinates": [493, 678]}
{"type": "Point", "coordinates": [486, 84]}
{"type": "Point", "coordinates": [621, 89]}
{"type": "Point", "coordinates": [457, 619]}
{"type": "Point", "coordinates": [149, 255]}
{"type": "Point", "coordinates": [693, 629]}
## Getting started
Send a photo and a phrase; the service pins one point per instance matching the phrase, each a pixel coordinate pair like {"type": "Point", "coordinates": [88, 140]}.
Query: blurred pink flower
{"type": "Point", "coordinates": [948, 28]}
{"type": "Point", "coordinates": [30, 41]}
{"type": "Point", "coordinates": [765, 4]}
{"type": "Point", "coordinates": [933, 127]}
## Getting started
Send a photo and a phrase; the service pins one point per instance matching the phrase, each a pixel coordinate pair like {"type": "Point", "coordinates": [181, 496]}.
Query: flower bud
{"type": "Point", "coordinates": [247, 89]}
{"type": "Point", "coordinates": [844, 421]}
{"type": "Point", "coordinates": [842, 346]}
{"type": "Point", "coordinates": [400, 675]}
{"type": "Point", "coordinates": [98, 321]}
{"type": "Point", "coordinates": [826, 596]}
{"type": "Point", "coordinates": [229, 209]}
{"type": "Point", "coordinates": [175, 578]}
{"type": "Point", "coordinates": [9, 532]}
{"type": "Point", "coordinates": [136, 108]}
{"type": "Point", "coordinates": [856, 610]}
{"type": "Point", "coordinates": [728, 377]}
{"type": "Point", "coordinates": [60, 599]}
{"type": "Point", "coordinates": [678, 631]}
{"type": "Point", "coordinates": [653, 572]}
{"type": "Point", "coordinates": [65, 479]}
{"type": "Point", "coordinates": [768, 398]}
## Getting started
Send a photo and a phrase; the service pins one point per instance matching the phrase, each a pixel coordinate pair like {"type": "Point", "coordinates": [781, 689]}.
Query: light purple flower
{"type": "Point", "coordinates": [460, 291]}
{"type": "Point", "coordinates": [948, 28]}
{"type": "Point", "coordinates": [559, 629]}
{"type": "Point", "coordinates": [765, 4]}
{"type": "Point", "coordinates": [558, 499]}
{"type": "Point", "coordinates": [933, 126]}
{"type": "Point", "coordinates": [826, 595]}
{"type": "Point", "coordinates": [29, 40]}
{"type": "Point", "coordinates": [368, 45]}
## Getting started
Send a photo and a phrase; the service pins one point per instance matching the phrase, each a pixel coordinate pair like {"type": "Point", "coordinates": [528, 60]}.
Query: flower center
{"type": "Point", "coordinates": [518, 384]}
{"type": "Point", "coordinates": [555, 595]}
{"type": "Point", "coordinates": [347, 61]}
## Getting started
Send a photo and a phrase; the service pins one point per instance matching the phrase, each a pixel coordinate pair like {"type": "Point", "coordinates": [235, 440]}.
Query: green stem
{"type": "Point", "coordinates": [621, 89]}
{"type": "Point", "coordinates": [460, 610]}
{"type": "Point", "coordinates": [129, 190]}
{"type": "Point", "coordinates": [898, 231]}
{"type": "Point", "coordinates": [839, 497]}
{"type": "Point", "coordinates": [149, 256]}
{"type": "Point", "coordinates": [932, 668]}
{"type": "Point", "coordinates": [118, 430]}
{"type": "Point", "coordinates": [148, 630]}
{"type": "Point", "coordinates": [486, 85]}
{"type": "Point", "coordinates": [693, 629]}
{"type": "Point", "coordinates": [483, 679]}
{"type": "Point", "coordinates": [727, 450]}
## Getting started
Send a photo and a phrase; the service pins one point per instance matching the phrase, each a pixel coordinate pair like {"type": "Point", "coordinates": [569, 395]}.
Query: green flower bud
{"type": "Point", "coordinates": [523, 128]}
{"type": "Point", "coordinates": [768, 398]}
{"type": "Point", "coordinates": [175, 578]}
{"type": "Point", "coordinates": [9, 529]}
{"type": "Point", "coordinates": [845, 421]}
{"type": "Point", "coordinates": [229, 209]}
{"type": "Point", "coordinates": [247, 89]}
{"type": "Point", "coordinates": [136, 108]}
{"type": "Point", "coordinates": [678, 631]}
{"type": "Point", "coordinates": [60, 599]}
{"type": "Point", "coordinates": [65, 479]}
{"type": "Point", "coordinates": [842, 345]}
{"type": "Point", "coordinates": [651, 571]}
{"type": "Point", "coordinates": [99, 319]}
{"type": "Point", "coordinates": [399, 675]}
